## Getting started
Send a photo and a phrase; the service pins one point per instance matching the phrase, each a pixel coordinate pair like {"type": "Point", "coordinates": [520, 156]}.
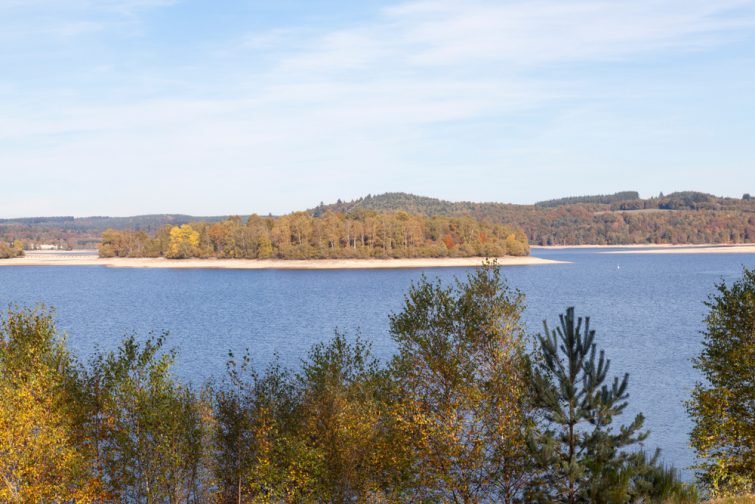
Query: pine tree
{"type": "Point", "coordinates": [581, 455]}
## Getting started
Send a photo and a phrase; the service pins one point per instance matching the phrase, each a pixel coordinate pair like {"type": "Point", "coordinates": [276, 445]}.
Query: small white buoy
{"type": "Point", "coordinates": [618, 267]}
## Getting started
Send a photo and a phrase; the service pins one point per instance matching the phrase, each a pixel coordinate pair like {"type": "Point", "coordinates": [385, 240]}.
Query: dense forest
{"type": "Point", "coordinates": [604, 199]}
{"type": "Point", "coordinates": [618, 219]}
{"type": "Point", "coordinates": [357, 234]}
{"type": "Point", "coordinates": [464, 412]}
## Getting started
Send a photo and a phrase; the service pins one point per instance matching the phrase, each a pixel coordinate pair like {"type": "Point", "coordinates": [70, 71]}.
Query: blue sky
{"type": "Point", "coordinates": [122, 107]}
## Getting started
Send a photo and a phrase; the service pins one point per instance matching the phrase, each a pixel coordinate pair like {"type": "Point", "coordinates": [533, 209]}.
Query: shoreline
{"type": "Point", "coordinates": [73, 259]}
{"type": "Point", "coordinates": [665, 248]}
{"type": "Point", "coordinates": [647, 246]}
{"type": "Point", "coordinates": [702, 249]}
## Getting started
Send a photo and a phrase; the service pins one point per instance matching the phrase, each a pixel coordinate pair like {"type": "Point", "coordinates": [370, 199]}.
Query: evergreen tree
{"type": "Point", "coordinates": [723, 409]}
{"type": "Point", "coordinates": [581, 455]}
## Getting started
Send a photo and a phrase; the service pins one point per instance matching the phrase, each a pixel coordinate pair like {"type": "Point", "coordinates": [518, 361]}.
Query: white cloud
{"type": "Point", "coordinates": [531, 32]}
{"type": "Point", "coordinates": [360, 105]}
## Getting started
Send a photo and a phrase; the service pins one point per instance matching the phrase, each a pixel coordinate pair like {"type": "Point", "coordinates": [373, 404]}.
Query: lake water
{"type": "Point", "coordinates": [647, 311]}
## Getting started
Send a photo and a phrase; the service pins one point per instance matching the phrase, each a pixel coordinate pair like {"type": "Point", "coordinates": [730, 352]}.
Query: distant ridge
{"type": "Point", "coordinates": [605, 199]}
{"type": "Point", "coordinates": [400, 201]}
{"type": "Point", "coordinates": [620, 201]}
{"type": "Point", "coordinates": [622, 218]}
{"type": "Point", "coordinates": [618, 219]}
{"type": "Point", "coordinates": [149, 222]}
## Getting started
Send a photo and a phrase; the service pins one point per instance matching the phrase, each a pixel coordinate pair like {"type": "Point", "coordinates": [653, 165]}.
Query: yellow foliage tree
{"type": "Point", "coordinates": [341, 417]}
{"type": "Point", "coordinates": [184, 241]}
{"type": "Point", "coordinates": [516, 246]}
{"type": "Point", "coordinates": [42, 458]}
{"type": "Point", "coordinates": [461, 373]}
{"type": "Point", "coordinates": [722, 406]}
{"type": "Point", "coordinates": [18, 245]}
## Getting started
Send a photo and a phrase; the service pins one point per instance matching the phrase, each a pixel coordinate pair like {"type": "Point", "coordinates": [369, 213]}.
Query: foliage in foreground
{"type": "Point", "coordinates": [460, 384]}
{"type": "Point", "coordinates": [723, 408]}
{"type": "Point", "coordinates": [450, 419]}
{"type": "Point", "coordinates": [43, 454]}
{"type": "Point", "coordinates": [582, 455]}
{"type": "Point", "coordinates": [147, 429]}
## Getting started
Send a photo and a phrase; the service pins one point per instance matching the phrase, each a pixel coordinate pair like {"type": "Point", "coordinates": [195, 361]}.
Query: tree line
{"type": "Point", "coordinates": [619, 219]}
{"type": "Point", "coordinates": [465, 412]}
{"type": "Point", "coordinates": [576, 225]}
{"type": "Point", "coordinates": [361, 234]}
{"type": "Point", "coordinates": [606, 199]}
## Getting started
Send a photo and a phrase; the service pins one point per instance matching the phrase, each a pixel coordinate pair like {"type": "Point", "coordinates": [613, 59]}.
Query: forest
{"type": "Point", "coordinates": [619, 219]}
{"type": "Point", "coordinates": [470, 409]}
{"type": "Point", "coordinates": [615, 219]}
{"type": "Point", "coordinates": [358, 234]}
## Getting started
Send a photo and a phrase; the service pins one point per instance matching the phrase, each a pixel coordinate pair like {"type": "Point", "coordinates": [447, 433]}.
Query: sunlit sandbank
{"type": "Point", "coordinates": [666, 248]}
{"type": "Point", "coordinates": [689, 249]}
{"type": "Point", "coordinates": [88, 259]}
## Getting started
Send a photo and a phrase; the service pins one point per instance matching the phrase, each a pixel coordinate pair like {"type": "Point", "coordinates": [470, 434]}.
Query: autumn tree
{"type": "Point", "coordinates": [258, 456]}
{"type": "Point", "coordinates": [342, 414]}
{"type": "Point", "coordinates": [461, 384]}
{"type": "Point", "coordinates": [7, 252]}
{"type": "Point", "coordinates": [147, 429]}
{"type": "Point", "coordinates": [183, 242]}
{"type": "Point", "coordinates": [723, 406]}
{"type": "Point", "coordinates": [42, 455]}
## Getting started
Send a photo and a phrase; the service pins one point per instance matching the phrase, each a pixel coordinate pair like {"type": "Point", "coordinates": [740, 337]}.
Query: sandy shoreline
{"type": "Point", "coordinates": [73, 259]}
{"type": "Point", "coordinates": [690, 249]}
{"type": "Point", "coordinates": [660, 246]}
{"type": "Point", "coordinates": [711, 248]}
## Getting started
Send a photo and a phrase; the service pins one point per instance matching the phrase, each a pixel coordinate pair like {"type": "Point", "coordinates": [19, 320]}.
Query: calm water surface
{"type": "Point", "coordinates": [647, 311]}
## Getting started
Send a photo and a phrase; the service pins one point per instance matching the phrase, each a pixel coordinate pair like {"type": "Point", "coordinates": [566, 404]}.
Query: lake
{"type": "Point", "coordinates": [647, 311]}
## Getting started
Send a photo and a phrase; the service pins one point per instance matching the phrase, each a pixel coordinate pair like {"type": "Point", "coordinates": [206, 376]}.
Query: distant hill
{"type": "Point", "coordinates": [605, 199]}
{"type": "Point", "coordinates": [398, 201]}
{"type": "Point", "coordinates": [85, 232]}
{"type": "Point", "coordinates": [99, 224]}
{"type": "Point", "coordinates": [618, 219]}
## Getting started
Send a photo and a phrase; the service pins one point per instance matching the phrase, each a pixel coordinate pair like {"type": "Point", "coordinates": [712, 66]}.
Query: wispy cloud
{"type": "Point", "coordinates": [45, 22]}
{"type": "Point", "coordinates": [422, 87]}
{"type": "Point", "coordinates": [547, 31]}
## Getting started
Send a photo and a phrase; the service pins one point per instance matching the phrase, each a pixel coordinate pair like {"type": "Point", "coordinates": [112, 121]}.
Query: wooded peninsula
{"type": "Point", "coordinates": [359, 234]}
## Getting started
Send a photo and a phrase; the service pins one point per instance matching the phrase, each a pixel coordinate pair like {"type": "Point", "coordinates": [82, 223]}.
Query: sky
{"type": "Point", "coordinates": [125, 107]}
